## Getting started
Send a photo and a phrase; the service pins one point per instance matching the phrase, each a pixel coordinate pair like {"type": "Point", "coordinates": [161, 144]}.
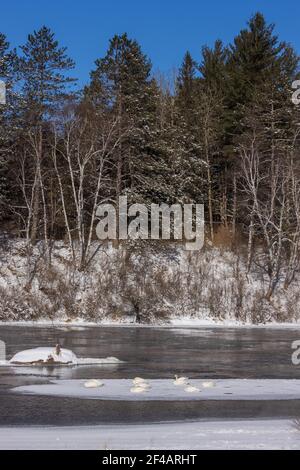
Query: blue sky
{"type": "Point", "coordinates": [165, 29]}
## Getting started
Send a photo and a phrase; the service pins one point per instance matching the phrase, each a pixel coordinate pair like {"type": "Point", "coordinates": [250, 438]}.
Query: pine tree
{"type": "Point", "coordinates": [121, 86]}
{"type": "Point", "coordinates": [257, 60]}
{"type": "Point", "coordinates": [8, 65]}
{"type": "Point", "coordinates": [175, 167]}
{"type": "Point", "coordinates": [260, 72]}
{"type": "Point", "coordinates": [44, 68]}
{"type": "Point", "coordinates": [213, 67]}
{"type": "Point", "coordinates": [211, 129]}
{"type": "Point", "coordinates": [186, 93]}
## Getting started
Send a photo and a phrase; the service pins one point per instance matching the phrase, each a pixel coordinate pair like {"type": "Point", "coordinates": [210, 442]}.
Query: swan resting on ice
{"type": "Point", "coordinates": [141, 388]}
{"type": "Point", "coordinates": [208, 384]}
{"type": "Point", "coordinates": [93, 383]}
{"type": "Point", "coordinates": [139, 380]}
{"type": "Point", "coordinates": [191, 389]}
{"type": "Point", "coordinates": [140, 385]}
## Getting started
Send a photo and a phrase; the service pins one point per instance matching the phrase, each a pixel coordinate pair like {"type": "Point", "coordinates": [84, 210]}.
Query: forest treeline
{"type": "Point", "coordinates": [223, 131]}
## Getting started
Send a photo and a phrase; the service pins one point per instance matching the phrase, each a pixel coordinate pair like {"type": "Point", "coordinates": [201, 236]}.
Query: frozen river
{"type": "Point", "coordinates": [153, 353]}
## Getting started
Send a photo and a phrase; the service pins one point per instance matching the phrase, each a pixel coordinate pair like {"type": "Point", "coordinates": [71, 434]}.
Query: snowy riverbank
{"type": "Point", "coordinates": [184, 322]}
{"type": "Point", "coordinates": [237, 434]}
{"type": "Point", "coordinates": [171, 286]}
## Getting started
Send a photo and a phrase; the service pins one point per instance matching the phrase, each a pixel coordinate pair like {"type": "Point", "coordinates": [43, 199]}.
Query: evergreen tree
{"type": "Point", "coordinates": [44, 69]}
{"type": "Point", "coordinates": [186, 95]}
{"type": "Point", "coordinates": [211, 130]}
{"type": "Point", "coordinates": [122, 87]}
{"type": "Point", "coordinates": [257, 60]}
{"type": "Point", "coordinates": [8, 65]}
{"type": "Point", "coordinates": [174, 173]}
{"type": "Point", "coordinates": [213, 67]}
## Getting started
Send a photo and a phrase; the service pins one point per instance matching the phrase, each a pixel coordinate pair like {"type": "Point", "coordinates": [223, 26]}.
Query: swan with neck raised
{"type": "Point", "coordinates": [180, 380]}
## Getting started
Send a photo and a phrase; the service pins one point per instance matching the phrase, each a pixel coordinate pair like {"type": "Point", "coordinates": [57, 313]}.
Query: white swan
{"type": "Point", "coordinates": [208, 384]}
{"type": "Point", "coordinates": [191, 389]}
{"type": "Point", "coordinates": [180, 380]}
{"type": "Point", "coordinates": [93, 383]}
{"type": "Point", "coordinates": [139, 380]}
{"type": "Point", "coordinates": [144, 385]}
{"type": "Point", "coordinates": [139, 389]}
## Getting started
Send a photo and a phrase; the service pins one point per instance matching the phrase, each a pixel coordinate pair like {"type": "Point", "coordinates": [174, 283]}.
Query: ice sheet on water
{"type": "Point", "coordinates": [94, 360]}
{"type": "Point", "coordinates": [164, 389]}
{"type": "Point", "coordinates": [44, 355]}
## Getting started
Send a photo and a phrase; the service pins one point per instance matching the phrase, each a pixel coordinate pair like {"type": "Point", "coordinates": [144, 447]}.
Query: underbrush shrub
{"type": "Point", "coordinates": [260, 310]}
